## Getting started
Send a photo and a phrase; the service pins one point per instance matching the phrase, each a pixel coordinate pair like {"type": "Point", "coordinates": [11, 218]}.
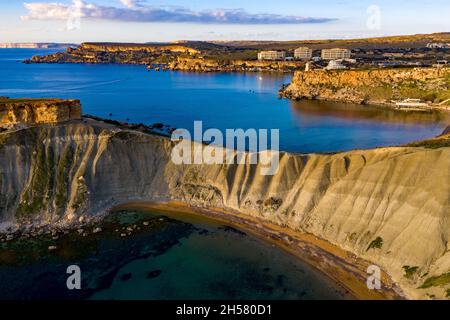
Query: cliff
{"type": "Point", "coordinates": [103, 53]}
{"type": "Point", "coordinates": [173, 57]}
{"type": "Point", "coordinates": [388, 205]}
{"type": "Point", "coordinates": [130, 47]}
{"type": "Point", "coordinates": [37, 111]}
{"type": "Point", "coordinates": [378, 86]}
{"type": "Point", "coordinates": [210, 65]}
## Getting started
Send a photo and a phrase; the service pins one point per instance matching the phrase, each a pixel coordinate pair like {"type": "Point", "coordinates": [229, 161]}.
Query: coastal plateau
{"type": "Point", "coordinates": [380, 86]}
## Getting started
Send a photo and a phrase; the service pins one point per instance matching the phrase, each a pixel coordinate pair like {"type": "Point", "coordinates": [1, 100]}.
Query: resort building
{"type": "Point", "coordinates": [272, 55]}
{"type": "Point", "coordinates": [438, 45]}
{"type": "Point", "coordinates": [303, 53]}
{"type": "Point", "coordinates": [335, 54]}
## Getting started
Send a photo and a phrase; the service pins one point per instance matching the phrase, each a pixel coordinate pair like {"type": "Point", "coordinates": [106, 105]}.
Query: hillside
{"type": "Point", "coordinates": [406, 41]}
{"type": "Point", "coordinates": [388, 206]}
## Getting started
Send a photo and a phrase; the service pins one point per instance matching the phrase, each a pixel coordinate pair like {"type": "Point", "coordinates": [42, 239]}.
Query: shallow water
{"type": "Point", "coordinates": [220, 100]}
{"type": "Point", "coordinates": [195, 258]}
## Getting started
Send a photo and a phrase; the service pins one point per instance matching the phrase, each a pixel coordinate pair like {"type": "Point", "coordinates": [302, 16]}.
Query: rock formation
{"type": "Point", "coordinates": [210, 65]}
{"type": "Point", "coordinates": [387, 205]}
{"type": "Point", "coordinates": [15, 112]}
{"type": "Point", "coordinates": [173, 57]}
{"type": "Point", "coordinates": [371, 86]}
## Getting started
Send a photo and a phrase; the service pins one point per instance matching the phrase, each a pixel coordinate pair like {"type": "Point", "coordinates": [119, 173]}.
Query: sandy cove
{"type": "Point", "coordinates": [344, 268]}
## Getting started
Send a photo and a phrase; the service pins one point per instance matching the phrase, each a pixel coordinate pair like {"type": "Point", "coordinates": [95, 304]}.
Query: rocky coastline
{"type": "Point", "coordinates": [363, 201]}
{"type": "Point", "coordinates": [177, 58]}
{"type": "Point", "coordinates": [386, 87]}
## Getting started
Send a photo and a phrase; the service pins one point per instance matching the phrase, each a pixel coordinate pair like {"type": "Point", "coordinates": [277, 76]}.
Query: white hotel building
{"type": "Point", "coordinates": [303, 53]}
{"type": "Point", "coordinates": [272, 55]}
{"type": "Point", "coordinates": [335, 54]}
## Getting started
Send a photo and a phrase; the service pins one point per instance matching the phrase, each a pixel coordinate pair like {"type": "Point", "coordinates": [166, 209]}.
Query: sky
{"type": "Point", "coordinates": [77, 21]}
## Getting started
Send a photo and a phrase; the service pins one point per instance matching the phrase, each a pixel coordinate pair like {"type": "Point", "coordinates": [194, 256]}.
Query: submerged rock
{"type": "Point", "coordinates": [154, 274]}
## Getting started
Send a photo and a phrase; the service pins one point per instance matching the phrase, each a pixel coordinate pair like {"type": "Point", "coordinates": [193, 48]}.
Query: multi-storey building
{"type": "Point", "coordinates": [335, 54]}
{"type": "Point", "coordinates": [271, 55]}
{"type": "Point", "coordinates": [303, 53]}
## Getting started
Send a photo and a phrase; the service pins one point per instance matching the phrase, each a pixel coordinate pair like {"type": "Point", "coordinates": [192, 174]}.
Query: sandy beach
{"type": "Point", "coordinates": [344, 268]}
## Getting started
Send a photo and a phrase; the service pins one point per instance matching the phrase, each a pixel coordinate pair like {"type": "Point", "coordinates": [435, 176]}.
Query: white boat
{"type": "Point", "coordinates": [412, 103]}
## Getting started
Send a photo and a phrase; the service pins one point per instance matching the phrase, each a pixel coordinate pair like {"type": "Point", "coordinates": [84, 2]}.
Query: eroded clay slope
{"type": "Point", "coordinates": [388, 205]}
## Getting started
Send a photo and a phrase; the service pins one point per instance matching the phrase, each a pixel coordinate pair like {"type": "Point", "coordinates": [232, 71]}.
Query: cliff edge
{"type": "Point", "coordinates": [378, 86]}
{"type": "Point", "coordinates": [15, 112]}
{"type": "Point", "coordinates": [387, 205]}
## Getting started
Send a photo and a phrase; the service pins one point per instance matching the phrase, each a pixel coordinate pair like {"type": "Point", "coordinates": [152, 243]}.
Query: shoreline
{"type": "Point", "coordinates": [346, 270]}
{"type": "Point", "coordinates": [382, 104]}
{"type": "Point", "coordinates": [378, 104]}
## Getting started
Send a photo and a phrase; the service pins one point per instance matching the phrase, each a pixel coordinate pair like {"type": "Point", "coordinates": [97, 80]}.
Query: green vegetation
{"type": "Point", "coordinates": [409, 271]}
{"type": "Point", "coordinates": [435, 281]}
{"type": "Point", "coordinates": [376, 244]}
{"type": "Point", "coordinates": [62, 176]}
{"type": "Point", "coordinates": [435, 143]}
{"type": "Point", "coordinates": [419, 91]}
{"type": "Point", "coordinates": [413, 90]}
{"type": "Point", "coordinates": [384, 92]}
{"type": "Point", "coordinates": [447, 295]}
{"type": "Point", "coordinates": [228, 56]}
{"type": "Point", "coordinates": [273, 203]}
{"type": "Point", "coordinates": [352, 237]}
{"type": "Point", "coordinates": [82, 194]}
{"type": "Point", "coordinates": [40, 189]}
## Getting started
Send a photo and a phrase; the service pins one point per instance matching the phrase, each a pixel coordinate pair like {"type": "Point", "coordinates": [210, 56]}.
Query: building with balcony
{"type": "Point", "coordinates": [335, 54]}
{"type": "Point", "coordinates": [272, 55]}
{"type": "Point", "coordinates": [438, 45]}
{"type": "Point", "coordinates": [303, 53]}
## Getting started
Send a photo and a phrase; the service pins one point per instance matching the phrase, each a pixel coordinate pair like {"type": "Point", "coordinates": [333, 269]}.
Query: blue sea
{"type": "Point", "coordinates": [163, 257]}
{"type": "Point", "coordinates": [221, 100]}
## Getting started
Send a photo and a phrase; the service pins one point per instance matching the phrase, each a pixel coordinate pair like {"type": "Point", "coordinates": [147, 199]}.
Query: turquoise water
{"type": "Point", "coordinates": [165, 258]}
{"type": "Point", "coordinates": [233, 100]}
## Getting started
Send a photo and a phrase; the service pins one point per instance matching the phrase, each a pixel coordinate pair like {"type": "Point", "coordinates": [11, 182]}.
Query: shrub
{"type": "Point", "coordinates": [443, 279]}
{"type": "Point", "coordinates": [273, 203]}
{"type": "Point", "coordinates": [409, 271]}
{"type": "Point", "coordinates": [375, 244]}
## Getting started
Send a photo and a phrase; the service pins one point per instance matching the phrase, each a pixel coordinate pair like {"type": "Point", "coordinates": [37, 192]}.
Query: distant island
{"type": "Point", "coordinates": [35, 45]}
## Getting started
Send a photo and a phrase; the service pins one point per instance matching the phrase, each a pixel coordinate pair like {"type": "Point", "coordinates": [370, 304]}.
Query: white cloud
{"type": "Point", "coordinates": [132, 3]}
{"type": "Point", "coordinates": [137, 11]}
{"type": "Point", "coordinates": [51, 11]}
